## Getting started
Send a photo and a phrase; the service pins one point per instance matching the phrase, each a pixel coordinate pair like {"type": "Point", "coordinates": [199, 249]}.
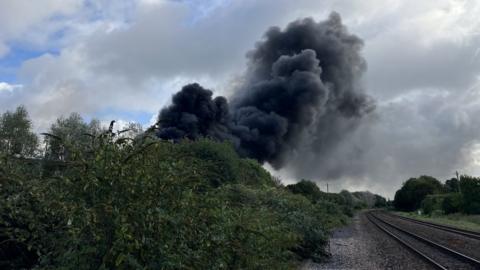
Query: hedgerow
{"type": "Point", "coordinates": [151, 204]}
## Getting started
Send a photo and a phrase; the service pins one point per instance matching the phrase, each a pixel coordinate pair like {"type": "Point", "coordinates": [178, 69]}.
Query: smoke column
{"type": "Point", "coordinates": [301, 89]}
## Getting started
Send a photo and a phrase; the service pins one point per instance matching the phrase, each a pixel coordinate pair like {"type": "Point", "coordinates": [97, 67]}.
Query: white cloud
{"type": "Point", "coordinates": [9, 87]}
{"type": "Point", "coordinates": [33, 22]}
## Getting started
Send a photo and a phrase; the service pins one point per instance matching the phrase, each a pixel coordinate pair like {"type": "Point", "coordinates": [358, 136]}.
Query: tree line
{"type": "Point", "coordinates": [428, 194]}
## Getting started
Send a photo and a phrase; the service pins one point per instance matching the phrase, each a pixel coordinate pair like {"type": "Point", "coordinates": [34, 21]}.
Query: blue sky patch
{"type": "Point", "coordinates": [10, 63]}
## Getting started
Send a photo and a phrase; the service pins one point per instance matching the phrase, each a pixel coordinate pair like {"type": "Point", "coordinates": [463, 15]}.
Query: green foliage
{"type": "Point", "coordinates": [380, 201]}
{"type": "Point", "coordinates": [432, 203]}
{"type": "Point", "coordinates": [412, 193]}
{"type": "Point", "coordinates": [346, 201]}
{"type": "Point", "coordinates": [250, 173]}
{"type": "Point", "coordinates": [16, 136]}
{"type": "Point", "coordinates": [70, 134]}
{"type": "Point", "coordinates": [308, 222]}
{"type": "Point", "coordinates": [452, 203]}
{"type": "Point", "coordinates": [308, 189]}
{"type": "Point", "coordinates": [452, 185]}
{"type": "Point", "coordinates": [155, 205]}
{"type": "Point", "coordinates": [365, 199]}
{"type": "Point", "coordinates": [462, 196]}
{"type": "Point", "coordinates": [219, 161]}
{"type": "Point", "coordinates": [470, 188]}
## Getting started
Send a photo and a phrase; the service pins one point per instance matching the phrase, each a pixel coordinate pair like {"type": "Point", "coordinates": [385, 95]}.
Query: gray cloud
{"type": "Point", "coordinates": [422, 59]}
{"type": "Point", "coordinates": [395, 66]}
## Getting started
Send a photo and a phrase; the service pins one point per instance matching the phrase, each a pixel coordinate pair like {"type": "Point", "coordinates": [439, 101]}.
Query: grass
{"type": "Point", "coordinates": [462, 221]}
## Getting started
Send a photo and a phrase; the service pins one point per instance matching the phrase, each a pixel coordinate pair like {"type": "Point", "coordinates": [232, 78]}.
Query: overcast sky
{"type": "Point", "coordinates": [113, 59]}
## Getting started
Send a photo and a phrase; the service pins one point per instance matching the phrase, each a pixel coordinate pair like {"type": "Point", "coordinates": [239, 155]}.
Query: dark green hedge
{"type": "Point", "coordinates": [155, 205]}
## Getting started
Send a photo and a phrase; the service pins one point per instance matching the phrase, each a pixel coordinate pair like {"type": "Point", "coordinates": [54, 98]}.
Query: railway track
{"type": "Point", "coordinates": [467, 233]}
{"type": "Point", "coordinates": [439, 256]}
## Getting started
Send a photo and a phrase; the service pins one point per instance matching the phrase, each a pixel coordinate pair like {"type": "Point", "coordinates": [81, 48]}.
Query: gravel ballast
{"type": "Point", "coordinates": [463, 244]}
{"type": "Point", "coordinates": [361, 245]}
{"type": "Point", "coordinates": [440, 256]}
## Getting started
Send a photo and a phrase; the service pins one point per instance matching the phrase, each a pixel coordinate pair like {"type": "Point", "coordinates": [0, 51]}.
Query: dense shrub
{"type": "Point", "coordinates": [412, 193]}
{"type": "Point", "coordinates": [364, 199]}
{"type": "Point", "coordinates": [452, 185]}
{"type": "Point", "coordinates": [470, 188]}
{"type": "Point", "coordinates": [432, 203]}
{"type": "Point", "coordinates": [220, 162]}
{"type": "Point", "coordinates": [347, 202]}
{"type": "Point", "coordinates": [308, 189]}
{"type": "Point", "coordinates": [156, 205]}
{"type": "Point", "coordinates": [380, 201]}
{"type": "Point", "coordinates": [452, 203]}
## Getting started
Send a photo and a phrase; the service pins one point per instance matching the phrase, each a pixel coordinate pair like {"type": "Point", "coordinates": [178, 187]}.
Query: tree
{"type": "Point", "coordinates": [432, 203]}
{"type": "Point", "coordinates": [452, 203]}
{"type": "Point", "coordinates": [16, 136]}
{"type": "Point", "coordinates": [452, 185]}
{"type": "Point", "coordinates": [412, 193]}
{"type": "Point", "coordinates": [68, 132]}
{"type": "Point", "coordinates": [364, 199]}
{"type": "Point", "coordinates": [306, 188]}
{"type": "Point", "coordinates": [132, 130]}
{"type": "Point", "coordinates": [470, 187]}
{"type": "Point", "coordinates": [380, 201]}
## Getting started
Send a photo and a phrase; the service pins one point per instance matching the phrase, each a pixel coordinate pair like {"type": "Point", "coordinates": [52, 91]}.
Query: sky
{"type": "Point", "coordinates": [123, 59]}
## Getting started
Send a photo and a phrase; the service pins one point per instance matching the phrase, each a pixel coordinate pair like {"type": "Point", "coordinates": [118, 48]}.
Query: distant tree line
{"type": "Point", "coordinates": [66, 133]}
{"type": "Point", "coordinates": [429, 195]}
{"type": "Point", "coordinates": [349, 201]}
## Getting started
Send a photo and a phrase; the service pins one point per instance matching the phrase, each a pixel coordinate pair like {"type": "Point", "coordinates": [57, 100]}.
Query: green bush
{"type": "Point", "coordinates": [308, 189]}
{"type": "Point", "coordinates": [452, 203]}
{"type": "Point", "coordinates": [452, 185]}
{"type": "Point", "coordinates": [156, 205]}
{"type": "Point", "coordinates": [220, 162]}
{"type": "Point", "coordinates": [343, 202]}
{"type": "Point", "coordinates": [470, 188]}
{"type": "Point", "coordinates": [380, 201]}
{"type": "Point", "coordinates": [432, 203]}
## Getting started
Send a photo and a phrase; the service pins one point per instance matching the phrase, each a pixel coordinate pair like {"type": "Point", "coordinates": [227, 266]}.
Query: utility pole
{"type": "Point", "coordinates": [327, 187]}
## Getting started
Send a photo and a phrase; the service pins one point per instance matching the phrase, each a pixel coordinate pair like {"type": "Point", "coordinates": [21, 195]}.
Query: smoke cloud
{"type": "Point", "coordinates": [301, 92]}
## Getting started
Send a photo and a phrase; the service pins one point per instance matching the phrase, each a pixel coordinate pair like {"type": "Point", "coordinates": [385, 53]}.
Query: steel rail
{"type": "Point", "coordinates": [467, 233]}
{"type": "Point", "coordinates": [409, 246]}
{"type": "Point", "coordinates": [457, 254]}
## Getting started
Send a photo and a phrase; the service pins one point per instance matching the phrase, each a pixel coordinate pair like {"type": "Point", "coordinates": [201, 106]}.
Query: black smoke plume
{"type": "Point", "coordinates": [301, 88]}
